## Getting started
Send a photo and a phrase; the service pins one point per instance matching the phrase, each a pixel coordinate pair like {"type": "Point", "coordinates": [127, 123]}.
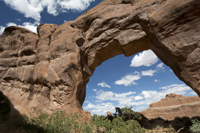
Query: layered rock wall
{"type": "Point", "coordinates": [51, 69]}
{"type": "Point", "coordinates": [171, 107]}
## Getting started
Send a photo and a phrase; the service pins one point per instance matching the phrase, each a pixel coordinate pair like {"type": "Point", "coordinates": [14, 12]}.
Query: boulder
{"type": "Point", "coordinates": [109, 115]}
{"type": "Point", "coordinates": [88, 114]}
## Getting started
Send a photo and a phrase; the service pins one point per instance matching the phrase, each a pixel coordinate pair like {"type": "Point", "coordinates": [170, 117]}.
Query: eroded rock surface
{"type": "Point", "coordinates": [173, 106]}
{"type": "Point", "coordinates": [51, 69]}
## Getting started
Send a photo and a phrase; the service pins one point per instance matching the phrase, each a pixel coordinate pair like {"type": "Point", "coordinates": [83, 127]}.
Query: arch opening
{"type": "Point", "coordinates": [136, 81]}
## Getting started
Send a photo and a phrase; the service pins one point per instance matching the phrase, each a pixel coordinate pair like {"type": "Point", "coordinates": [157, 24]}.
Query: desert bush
{"type": "Point", "coordinates": [158, 127]}
{"type": "Point", "coordinates": [129, 114]}
{"type": "Point", "coordinates": [118, 125]}
{"type": "Point", "coordinates": [57, 122]}
{"type": "Point", "coordinates": [101, 123]}
{"type": "Point", "coordinates": [195, 128]}
{"type": "Point", "coordinates": [134, 127]}
{"type": "Point", "coordinates": [170, 129]}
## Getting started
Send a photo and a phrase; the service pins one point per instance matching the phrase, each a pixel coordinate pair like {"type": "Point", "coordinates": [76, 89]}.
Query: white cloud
{"type": "Point", "coordinates": [30, 26]}
{"type": "Point", "coordinates": [79, 5]}
{"type": "Point", "coordinates": [139, 102]}
{"type": "Point", "coordinates": [138, 98]}
{"type": "Point", "coordinates": [152, 72]}
{"type": "Point", "coordinates": [103, 84]}
{"type": "Point", "coordinates": [87, 102]}
{"type": "Point", "coordinates": [146, 58]}
{"type": "Point", "coordinates": [104, 95]}
{"type": "Point", "coordinates": [160, 66]}
{"type": "Point", "coordinates": [140, 108]}
{"type": "Point", "coordinates": [129, 79]}
{"type": "Point", "coordinates": [18, 19]}
{"type": "Point", "coordinates": [100, 108]}
{"type": "Point", "coordinates": [94, 89]}
{"type": "Point", "coordinates": [1, 29]}
{"type": "Point", "coordinates": [156, 80]}
{"type": "Point", "coordinates": [122, 98]}
{"type": "Point", "coordinates": [174, 86]}
{"type": "Point", "coordinates": [193, 93]}
{"type": "Point", "coordinates": [153, 96]}
{"type": "Point", "coordinates": [123, 95]}
{"type": "Point", "coordinates": [33, 8]}
{"type": "Point", "coordinates": [11, 24]}
{"type": "Point", "coordinates": [148, 73]}
{"type": "Point", "coordinates": [98, 101]}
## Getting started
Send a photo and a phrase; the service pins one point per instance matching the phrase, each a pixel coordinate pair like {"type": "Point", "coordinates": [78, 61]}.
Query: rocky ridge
{"type": "Point", "coordinates": [173, 106]}
{"type": "Point", "coordinates": [50, 69]}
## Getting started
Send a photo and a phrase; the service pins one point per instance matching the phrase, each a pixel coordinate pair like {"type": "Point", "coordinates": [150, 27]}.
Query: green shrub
{"type": "Point", "coordinates": [101, 123]}
{"type": "Point", "coordinates": [57, 122]}
{"type": "Point", "coordinates": [134, 127]}
{"type": "Point", "coordinates": [118, 125]}
{"type": "Point", "coordinates": [195, 128]}
{"type": "Point", "coordinates": [129, 114]}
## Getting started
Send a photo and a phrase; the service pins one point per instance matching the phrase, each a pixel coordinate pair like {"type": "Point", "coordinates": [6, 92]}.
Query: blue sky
{"type": "Point", "coordinates": [121, 81]}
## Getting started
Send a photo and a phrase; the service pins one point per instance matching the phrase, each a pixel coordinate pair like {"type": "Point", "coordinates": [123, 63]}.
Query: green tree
{"type": "Point", "coordinates": [129, 114]}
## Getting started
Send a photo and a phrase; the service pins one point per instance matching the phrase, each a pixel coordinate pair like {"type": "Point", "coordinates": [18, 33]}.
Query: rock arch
{"type": "Point", "coordinates": [51, 69]}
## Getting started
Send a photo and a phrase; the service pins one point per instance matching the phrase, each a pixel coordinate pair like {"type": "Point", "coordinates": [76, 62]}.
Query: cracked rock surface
{"type": "Point", "coordinates": [50, 69]}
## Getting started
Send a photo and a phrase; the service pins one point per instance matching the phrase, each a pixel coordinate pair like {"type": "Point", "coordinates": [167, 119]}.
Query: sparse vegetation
{"type": "Point", "coordinates": [118, 125]}
{"type": "Point", "coordinates": [158, 127]}
{"type": "Point", "coordinates": [127, 122]}
{"type": "Point", "coordinates": [58, 122]}
{"type": "Point", "coordinates": [128, 114]}
{"type": "Point", "coordinates": [195, 128]}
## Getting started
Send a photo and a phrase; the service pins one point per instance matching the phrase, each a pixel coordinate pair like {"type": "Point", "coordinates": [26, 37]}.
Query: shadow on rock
{"type": "Point", "coordinates": [179, 124]}
{"type": "Point", "coordinates": [11, 121]}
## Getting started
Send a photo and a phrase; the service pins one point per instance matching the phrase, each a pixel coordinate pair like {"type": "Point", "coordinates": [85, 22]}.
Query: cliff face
{"type": "Point", "coordinates": [173, 106]}
{"type": "Point", "coordinates": [51, 69]}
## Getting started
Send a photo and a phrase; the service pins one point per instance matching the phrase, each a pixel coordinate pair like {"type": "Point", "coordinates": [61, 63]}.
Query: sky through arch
{"type": "Point", "coordinates": [135, 81]}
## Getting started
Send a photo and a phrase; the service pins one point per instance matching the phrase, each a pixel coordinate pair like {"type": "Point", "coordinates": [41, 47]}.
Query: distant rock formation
{"type": "Point", "coordinates": [109, 115]}
{"type": "Point", "coordinates": [173, 106]}
{"type": "Point", "coordinates": [50, 69]}
{"type": "Point", "coordinates": [88, 114]}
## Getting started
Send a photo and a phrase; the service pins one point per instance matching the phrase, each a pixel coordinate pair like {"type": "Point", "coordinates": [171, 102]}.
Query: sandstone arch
{"type": "Point", "coordinates": [51, 69]}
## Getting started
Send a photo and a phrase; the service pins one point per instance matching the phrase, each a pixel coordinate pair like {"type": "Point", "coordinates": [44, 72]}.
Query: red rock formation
{"type": "Point", "coordinates": [109, 115]}
{"type": "Point", "coordinates": [51, 69]}
{"type": "Point", "coordinates": [173, 106]}
{"type": "Point", "coordinates": [88, 114]}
